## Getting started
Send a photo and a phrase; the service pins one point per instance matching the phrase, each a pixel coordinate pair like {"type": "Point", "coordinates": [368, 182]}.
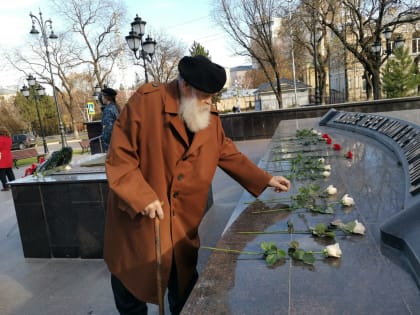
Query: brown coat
{"type": "Point", "coordinates": [149, 159]}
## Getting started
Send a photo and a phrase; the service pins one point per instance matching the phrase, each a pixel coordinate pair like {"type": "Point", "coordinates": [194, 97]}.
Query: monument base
{"type": "Point", "coordinates": [62, 215]}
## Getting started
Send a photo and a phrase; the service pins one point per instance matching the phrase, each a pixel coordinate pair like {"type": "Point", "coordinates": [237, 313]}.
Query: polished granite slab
{"type": "Point", "coordinates": [369, 278]}
{"type": "Point", "coordinates": [75, 173]}
{"type": "Point", "coordinates": [62, 214]}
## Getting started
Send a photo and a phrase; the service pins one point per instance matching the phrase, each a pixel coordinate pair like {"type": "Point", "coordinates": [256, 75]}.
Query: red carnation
{"type": "Point", "coordinates": [30, 170]}
{"type": "Point", "coordinates": [325, 136]}
{"type": "Point", "coordinates": [336, 147]}
{"type": "Point", "coordinates": [329, 140]}
{"type": "Point", "coordinates": [349, 155]}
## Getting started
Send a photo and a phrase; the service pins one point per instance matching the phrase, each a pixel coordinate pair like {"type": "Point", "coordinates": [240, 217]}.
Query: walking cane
{"type": "Point", "coordinates": [159, 267]}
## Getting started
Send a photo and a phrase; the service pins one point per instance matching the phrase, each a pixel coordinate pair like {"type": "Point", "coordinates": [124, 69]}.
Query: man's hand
{"type": "Point", "coordinates": [279, 183]}
{"type": "Point", "coordinates": [154, 209]}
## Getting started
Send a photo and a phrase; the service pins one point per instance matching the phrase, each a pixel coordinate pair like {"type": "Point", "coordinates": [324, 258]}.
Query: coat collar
{"type": "Point", "coordinates": [171, 101]}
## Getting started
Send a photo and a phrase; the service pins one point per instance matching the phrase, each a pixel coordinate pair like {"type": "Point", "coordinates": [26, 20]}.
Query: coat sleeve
{"type": "Point", "coordinates": [240, 167]}
{"type": "Point", "coordinates": [125, 178]}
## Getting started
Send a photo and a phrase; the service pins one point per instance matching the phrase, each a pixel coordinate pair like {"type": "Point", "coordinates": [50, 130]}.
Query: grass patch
{"type": "Point", "coordinates": [25, 162]}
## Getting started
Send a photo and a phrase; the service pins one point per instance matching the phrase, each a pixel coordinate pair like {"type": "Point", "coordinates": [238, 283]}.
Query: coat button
{"type": "Point", "coordinates": [175, 194]}
{"type": "Point", "coordinates": [180, 177]}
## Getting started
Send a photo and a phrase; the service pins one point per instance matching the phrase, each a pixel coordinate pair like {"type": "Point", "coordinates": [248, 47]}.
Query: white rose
{"type": "Point", "coordinates": [326, 173]}
{"type": "Point", "coordinates": [333, 251]}
{"type": "Point", "coordinates": [314, 132]}
{"type": "Point", "coordinates": [321, 160]}
{"type": "Point", "coordinates": [359, 228]}
{"type": "Point", "coordinates": [331, 190]}
{"type": "Point", "coordinates": [327, 167]}
{"type": "Point", "coordinates": [347, 201]}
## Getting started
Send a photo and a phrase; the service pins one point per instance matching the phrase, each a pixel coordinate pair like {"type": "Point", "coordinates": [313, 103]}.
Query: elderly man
{"type": "Point", "coordinates": [165, 147]}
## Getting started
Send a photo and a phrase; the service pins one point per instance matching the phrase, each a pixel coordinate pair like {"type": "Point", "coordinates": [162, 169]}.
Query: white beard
{"type": "Point", "coordinates": [196, 116]}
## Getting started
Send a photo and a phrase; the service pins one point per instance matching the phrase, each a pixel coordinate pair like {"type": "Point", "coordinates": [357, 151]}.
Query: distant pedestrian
{"type": "Point", "coordinates": [110, 113]}
{"type": "Point", "coordinates": [6, 160]}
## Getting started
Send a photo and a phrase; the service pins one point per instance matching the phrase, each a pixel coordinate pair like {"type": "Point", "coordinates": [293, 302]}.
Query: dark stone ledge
{"type": "Point", "coordinates": [263, 124]}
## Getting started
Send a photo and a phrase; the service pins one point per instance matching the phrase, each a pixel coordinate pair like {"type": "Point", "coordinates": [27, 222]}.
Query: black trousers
{"type": "Point", "coordinates": [6, 174]}
{"type": "Point", "coordinates": [128, 304]}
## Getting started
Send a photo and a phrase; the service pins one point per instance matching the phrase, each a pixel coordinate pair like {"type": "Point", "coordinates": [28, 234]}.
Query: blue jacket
{"type": "Point", "coordinates": [109, 115]}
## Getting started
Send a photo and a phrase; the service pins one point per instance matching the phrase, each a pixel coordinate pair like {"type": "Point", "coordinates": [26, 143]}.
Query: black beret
{"type": "Point", "coordinates": [109, 92]}
{"type": "Point", "coordinates": [202, 74]}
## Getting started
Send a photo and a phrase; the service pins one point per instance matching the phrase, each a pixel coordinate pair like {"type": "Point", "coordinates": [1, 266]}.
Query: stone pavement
{"type": "Point", "coordinates": [81, 286]}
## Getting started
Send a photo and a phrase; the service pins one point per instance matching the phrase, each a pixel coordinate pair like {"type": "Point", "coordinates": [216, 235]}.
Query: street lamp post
{"type": "Point", "coordinates": [317, 97]}
{"type": "Point", "coordinates": [97, 92]}
{"type": "Point", "coordinates": [315, 42]}
{"type": "Point", "coordinates": [43, 25]}
{"type": "Point", "coordinates": [292, 53]}
{"type": "Point", "coordinates": [141, 49]}
{"type": "Point", "coordinates": [377, 50]}
{"type": "Point", "coordinates": [38, 91]}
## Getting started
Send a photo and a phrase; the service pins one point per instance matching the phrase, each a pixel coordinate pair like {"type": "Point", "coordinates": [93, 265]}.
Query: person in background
{"type": "Point", "coordinates": [6, 160]}
{"type": "Point", "coordinates": [110, 113]}
{"type": "Point", "coordinates": [165, 148]}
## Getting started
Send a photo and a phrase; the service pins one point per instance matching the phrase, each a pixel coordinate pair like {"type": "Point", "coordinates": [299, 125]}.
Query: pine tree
{"type": "Point", "coordinates": [198, 49]}
{"type": "Point", "coordinates": [399, 77]}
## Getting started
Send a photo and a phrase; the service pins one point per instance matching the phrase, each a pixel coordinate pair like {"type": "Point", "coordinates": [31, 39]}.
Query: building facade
{"type": "Point", "coordinates": [347, 73]}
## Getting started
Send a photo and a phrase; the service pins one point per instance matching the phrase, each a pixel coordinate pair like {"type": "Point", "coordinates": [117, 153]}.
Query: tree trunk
{"type": "Point", "coordinates": [278, 91]}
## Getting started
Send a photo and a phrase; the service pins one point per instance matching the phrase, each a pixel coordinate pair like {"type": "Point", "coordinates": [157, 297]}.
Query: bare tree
{"type": "Point", "coordinates": [310, 36]}
{"type": "Point", "coordinates": [64, 57]}
{"type": "Point", "coordinates": [10, 117]}
{"type": "Point", "coordinates": [164, 64]}
{"type": "Point", "coordinates": [359, 24]}
{"type": "Point", "coordinates": [253, 78]}
{"type": "Point", "coordinates": [91, 43]}
{"type": "Point", "coordinates": [95, 24]}
{"type": "Point", "coordinates": [249, 24]}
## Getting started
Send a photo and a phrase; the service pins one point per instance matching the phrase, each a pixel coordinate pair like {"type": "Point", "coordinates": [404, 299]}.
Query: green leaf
{"type": "Point", "coordinates": [281, 254]}
{"type": "Point", "coordinates": [308, 258]}
{"type": "Point", "coordinates": [349, 227]}
{"type": "Point", "coordinates": [330, 234]}
{"type": "Point", "coordinates": [291, 251]}
{"type": "Point", "coordinates": [299, 254]}
{"type": "Point", "coordinates": [271, 259]}
{"type": "Point", "coordinates": [319, 229]}
{"type": "Point", "coordinates": [267, 246]}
